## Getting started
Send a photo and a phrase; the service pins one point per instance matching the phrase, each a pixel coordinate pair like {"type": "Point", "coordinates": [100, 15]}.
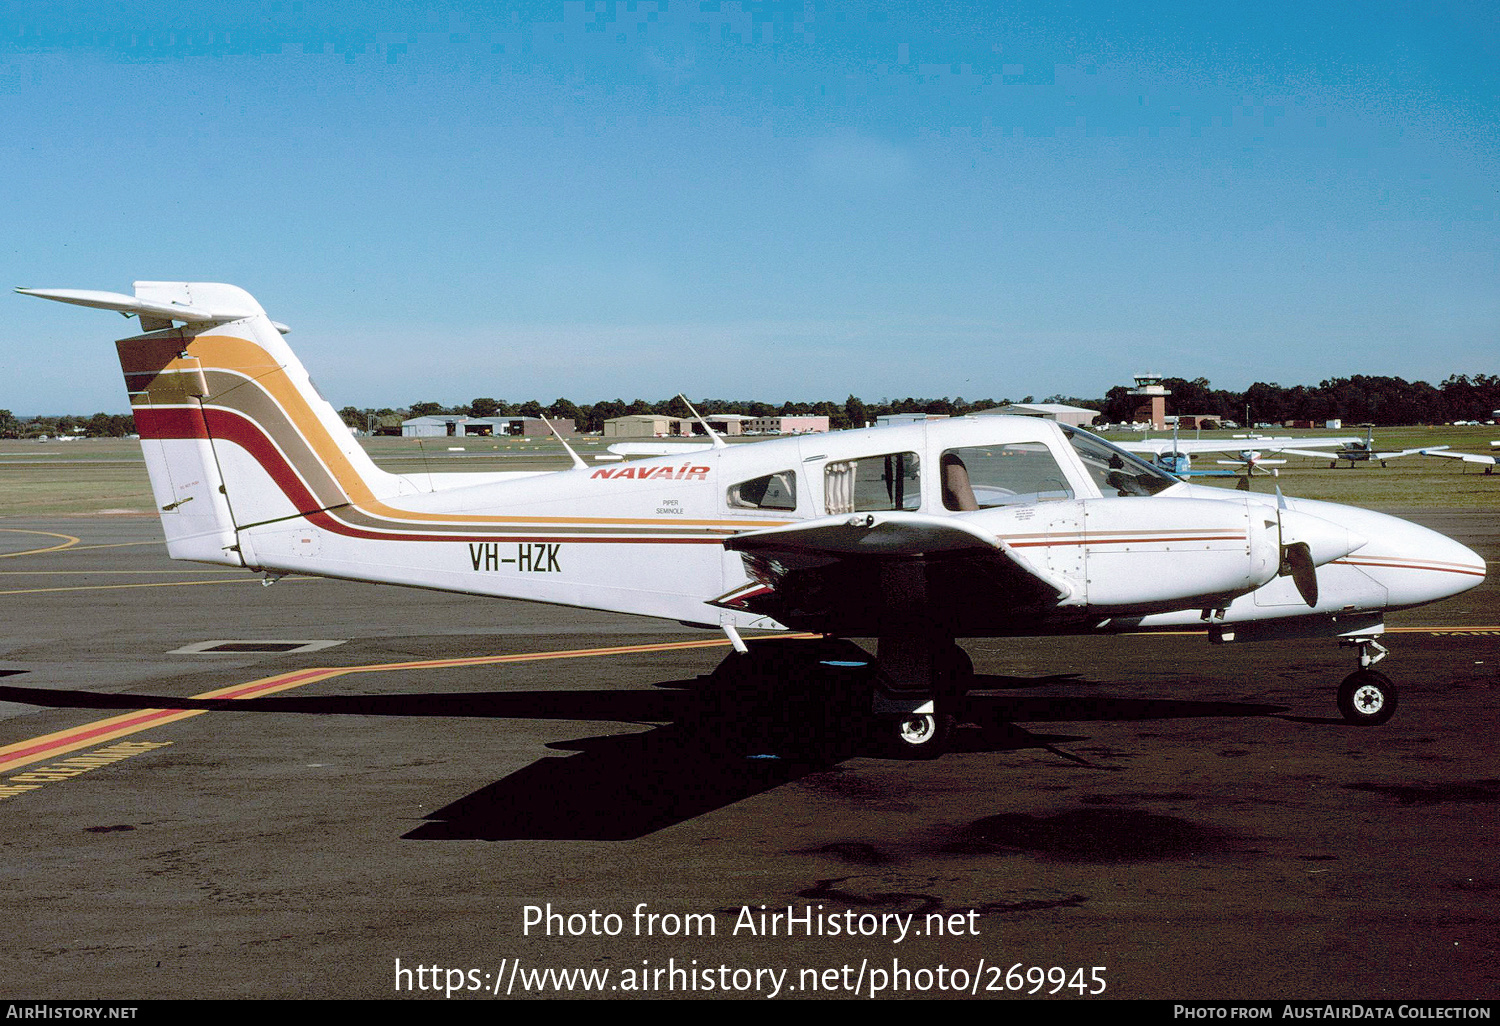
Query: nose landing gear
{"type": "Point", "coordinates": [1367, 697]}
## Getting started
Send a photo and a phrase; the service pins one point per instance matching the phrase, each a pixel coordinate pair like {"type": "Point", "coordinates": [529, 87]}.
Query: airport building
{"type": "Point", "coordinates": [788, 425]}
{"type": "Point", "coordinates": [651, 425]}
{"type": "Point", "coordinates": [1077, 416]}
{"type": "Point", "coordinates": [454, 426]}
{"type": "Point", "coordinates": [902, 419]}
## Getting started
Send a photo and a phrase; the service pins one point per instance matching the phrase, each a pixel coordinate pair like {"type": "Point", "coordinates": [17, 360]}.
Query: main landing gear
{"type": "Point", "coordinates": [1367, 697]}
{"type": "Point", "coordinates": [919, 687]}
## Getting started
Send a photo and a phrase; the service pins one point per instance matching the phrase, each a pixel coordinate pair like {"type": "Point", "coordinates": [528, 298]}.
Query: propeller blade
{"type": "Point", "coordinates": [1299, 558]}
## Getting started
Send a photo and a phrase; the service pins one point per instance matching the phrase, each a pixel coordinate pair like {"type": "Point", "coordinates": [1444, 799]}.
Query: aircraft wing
{"type": "Point", "coordinates": [1280, 444]}
{"type": "Point", "coordinates": [1191, 446]}
{"type": "Point", "coordinates": [1467, 457]}
{"type": "Point", "coordinates": [859, 570]}
{"type": "Point", "coordinates": [1308, 452]}
{"type": "Point", "coordinates": [1431, 450]}
{"type": "Point", "coordinates": [1362, 454]}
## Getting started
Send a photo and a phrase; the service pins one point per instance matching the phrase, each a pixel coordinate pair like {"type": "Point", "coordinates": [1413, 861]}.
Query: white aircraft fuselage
{"type": "Point", "coordinates": [917, 535]}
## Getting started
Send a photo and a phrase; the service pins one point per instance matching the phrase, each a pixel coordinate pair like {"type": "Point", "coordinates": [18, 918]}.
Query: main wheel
{"type": "Point", "coordinates": [1367, 697]}
{"type": "Point", "coordinates": [917, 735]}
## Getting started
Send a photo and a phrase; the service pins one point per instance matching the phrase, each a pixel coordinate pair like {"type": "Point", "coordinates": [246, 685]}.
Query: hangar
{"type": "Point", "coordinates": [455, 426]}
{"type": "Point", "coordinates": [653, 425]}
{"type": "Point", "coordinates": [1076, 416]}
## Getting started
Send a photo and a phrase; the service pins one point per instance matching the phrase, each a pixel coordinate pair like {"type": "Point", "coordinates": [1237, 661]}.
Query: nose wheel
{"type": "Point", "coordinates": [1367, 697]}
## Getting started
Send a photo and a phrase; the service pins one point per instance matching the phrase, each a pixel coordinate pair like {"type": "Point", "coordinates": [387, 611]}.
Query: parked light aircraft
{"type": "Point", "coordinates": [916, 535]}
{"type": "Point", "coordinates": [1175, 455]}
{"type": "Point", "coordinates": [1358, 450]}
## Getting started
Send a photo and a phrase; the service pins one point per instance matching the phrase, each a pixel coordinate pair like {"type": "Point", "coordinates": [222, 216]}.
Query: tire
{"type": "Point", "coordinates": [918, 735]}
{"type": "Point", "coordinates": [1367, 698]}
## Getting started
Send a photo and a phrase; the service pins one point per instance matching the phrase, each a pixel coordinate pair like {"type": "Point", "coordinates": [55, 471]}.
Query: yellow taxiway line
{"type": "Point", "coordinates": [69, 542]}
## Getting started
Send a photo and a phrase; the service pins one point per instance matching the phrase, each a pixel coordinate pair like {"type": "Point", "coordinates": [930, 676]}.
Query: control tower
{"type": "Point", "coordinates": [1150, 386]}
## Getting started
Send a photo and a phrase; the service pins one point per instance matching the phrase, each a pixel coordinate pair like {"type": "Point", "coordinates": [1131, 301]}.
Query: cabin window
{"type": "Point", "coordinates": [774, 491]}
{"type": "Point", "coordinates": [888, 482]}
{"type": "Point", "coordinates": [985, 476]}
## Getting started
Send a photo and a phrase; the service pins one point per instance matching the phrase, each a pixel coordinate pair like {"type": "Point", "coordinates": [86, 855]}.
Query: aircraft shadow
{"type": "Point", "coordinates": [751, 725]}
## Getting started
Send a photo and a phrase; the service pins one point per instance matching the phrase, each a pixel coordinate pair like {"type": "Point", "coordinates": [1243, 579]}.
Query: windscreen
{"type": "Point", "coordinates": [1115, 471]}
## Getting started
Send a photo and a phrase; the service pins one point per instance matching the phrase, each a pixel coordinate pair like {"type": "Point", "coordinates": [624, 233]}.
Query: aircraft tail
{"type": "Point", "coordinates": [234, 433]}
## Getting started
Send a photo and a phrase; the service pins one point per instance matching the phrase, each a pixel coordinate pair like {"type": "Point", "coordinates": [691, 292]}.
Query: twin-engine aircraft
{"type": "Point", "coordinates": [916, 536]}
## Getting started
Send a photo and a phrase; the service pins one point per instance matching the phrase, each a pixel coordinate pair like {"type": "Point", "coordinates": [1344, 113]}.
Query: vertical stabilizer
{"type": "Point", "coordinates": [233, 431]}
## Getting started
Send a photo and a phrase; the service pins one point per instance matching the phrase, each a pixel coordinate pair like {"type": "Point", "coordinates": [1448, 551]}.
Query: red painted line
{"type": "Point", "coordinates": [24, 753]}
{"type": "Point", "coordinates": [84, 734]}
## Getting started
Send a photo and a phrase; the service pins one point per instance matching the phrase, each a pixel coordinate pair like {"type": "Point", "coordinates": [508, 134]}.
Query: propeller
{"type": "Point", "coordinates": [1252, 463]}
{"type": "Point", "coordinates": [1306, 543]}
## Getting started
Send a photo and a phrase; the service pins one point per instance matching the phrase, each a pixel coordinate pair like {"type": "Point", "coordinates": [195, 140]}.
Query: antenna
{"type": "Point", "coordinates": [719, 443]}
{"type": "Point", "coordinates": [578, 463]}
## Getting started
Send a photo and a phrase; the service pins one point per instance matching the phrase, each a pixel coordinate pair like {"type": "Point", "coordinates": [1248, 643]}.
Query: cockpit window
{"type": "Point", "coordinates": [887, 482]}
{"type": "Point", "coordinates": [774, 491]}
{"type": "Point", "coordinates": [984, 476]}
{"type": "Point", "coordinates": [1115, 471]}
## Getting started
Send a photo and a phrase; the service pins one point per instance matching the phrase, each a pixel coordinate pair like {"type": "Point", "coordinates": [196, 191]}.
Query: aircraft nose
{"type": "Point", "coordinates": [1463, 566]}
{"type": "Point", "coordinates": [1418, 565]}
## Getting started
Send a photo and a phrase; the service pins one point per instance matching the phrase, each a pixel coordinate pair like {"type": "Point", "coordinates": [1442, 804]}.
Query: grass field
{"type": "Point", "coordinates": [108, 476]}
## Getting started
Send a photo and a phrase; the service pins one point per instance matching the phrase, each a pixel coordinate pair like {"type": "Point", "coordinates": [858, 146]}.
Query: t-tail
{"type": "Point", "coordinates": [233, 431]}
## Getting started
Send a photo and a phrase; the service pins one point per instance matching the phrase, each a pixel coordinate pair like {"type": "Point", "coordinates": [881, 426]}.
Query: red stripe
{"type": "Point", "coordinates": [1470, 571]}
{"type": "Point", "coordinates": [169, 422]}
{"type": "Point", "coordinates": [229, 426]}
{"type": "Point", "coordinates": [1128, 541]}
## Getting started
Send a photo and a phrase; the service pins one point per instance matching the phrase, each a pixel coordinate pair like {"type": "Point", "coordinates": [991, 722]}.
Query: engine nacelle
{"type": "Point", "coordinates": [1126, 552]}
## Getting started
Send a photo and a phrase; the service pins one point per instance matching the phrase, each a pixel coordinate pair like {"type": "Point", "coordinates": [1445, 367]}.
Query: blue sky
{"type": "Point", "coordinates": [761, 200]}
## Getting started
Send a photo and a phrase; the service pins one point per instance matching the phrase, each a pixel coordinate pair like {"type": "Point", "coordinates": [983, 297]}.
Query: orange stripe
{"type": "Point", "coordinates": [241, 356]}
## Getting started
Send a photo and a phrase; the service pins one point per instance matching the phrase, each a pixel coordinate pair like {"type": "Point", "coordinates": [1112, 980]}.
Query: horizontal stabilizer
{"type": "Point", "coordinates": [153, 309]}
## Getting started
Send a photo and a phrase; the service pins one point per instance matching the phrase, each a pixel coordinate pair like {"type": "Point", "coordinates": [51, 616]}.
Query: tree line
{"type": "Point", "coordinates": [100, 425]}
{"type": "Point", "coordinates": [1361, 399]}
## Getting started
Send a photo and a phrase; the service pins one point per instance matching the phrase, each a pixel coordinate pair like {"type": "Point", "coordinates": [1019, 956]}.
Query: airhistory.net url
{"type": "Point", "coordinates": [512, 979]}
